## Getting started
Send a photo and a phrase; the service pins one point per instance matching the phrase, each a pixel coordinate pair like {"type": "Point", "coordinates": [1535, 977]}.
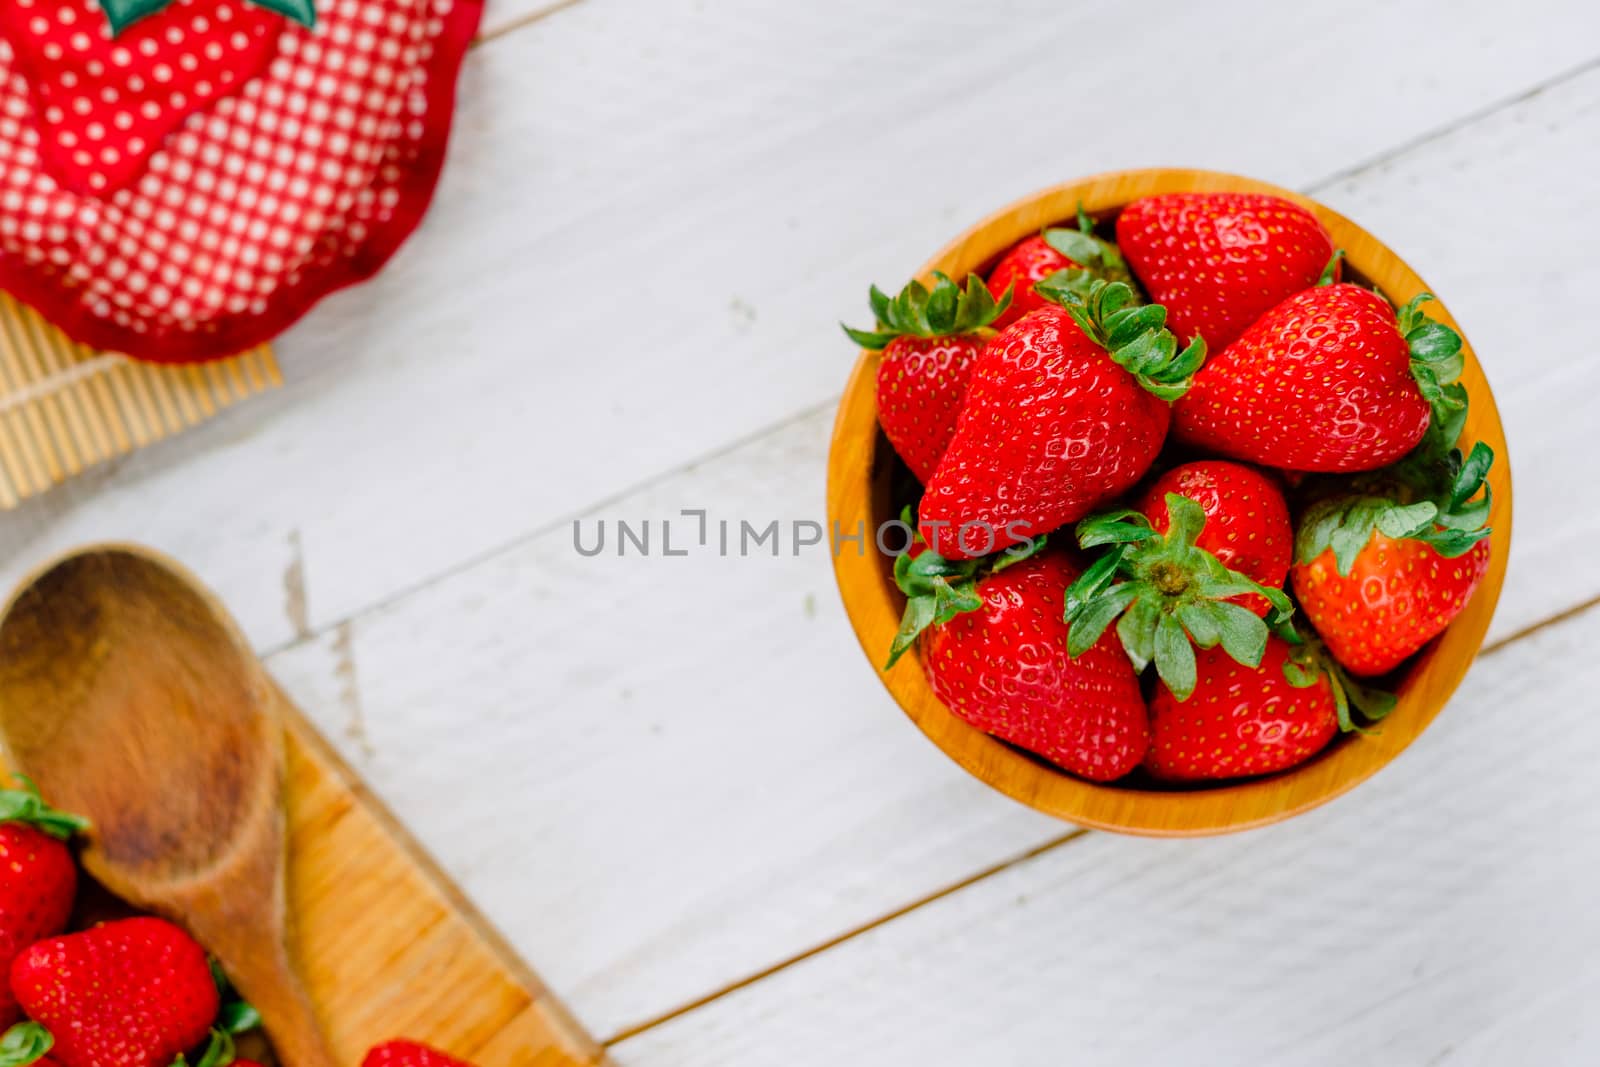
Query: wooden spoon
{"type": "Point", "coordinates": [129, 696]}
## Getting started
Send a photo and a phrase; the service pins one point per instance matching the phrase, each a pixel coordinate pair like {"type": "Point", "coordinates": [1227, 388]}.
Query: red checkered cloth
{"type": "Point", "coordinates": [189, 188]}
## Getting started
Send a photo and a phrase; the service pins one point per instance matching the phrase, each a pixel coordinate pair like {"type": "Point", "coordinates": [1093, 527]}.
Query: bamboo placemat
{"type": "Point", "coordinates": [65, 407]}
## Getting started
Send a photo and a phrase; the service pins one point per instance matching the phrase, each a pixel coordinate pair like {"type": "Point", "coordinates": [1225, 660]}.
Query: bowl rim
{"type": "Point", "coordinates": [873, 604]}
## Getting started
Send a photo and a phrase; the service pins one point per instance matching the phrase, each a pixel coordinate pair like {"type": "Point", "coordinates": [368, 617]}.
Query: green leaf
{"type": "Point", "coordinates": [917, 617]}
{"type": "Point", "coordinates": [1137, 631]}
{"type": "Point", "coordinates": [239, 1017]}
{"type": "Point", "coordinates": [1403, 520]}
{"type": "Point", "coordinates": [25, 1043]}
{"type": "Point", "coordinates": [1187, 519]}
{"type": "Point", "coordinates": [124, 13]}
{"type": "Point", "coordinates": [1201, 621]}
{"type": "Point", "coordinates": [302, 11]}
{"type": "Point", "coordinates": [1017, 553]}
{"type": "Point", "coordinates": [1096, 615]}
{"type": "Point", "coordinates": [26, 807]}
{"type": "Point", "coordinates": [1115, 528]}
{"type": "Point", "coordinates": [874, 341]}
{"type": "Point", "coordinates": [1084, 249]}
{"type": "Point", "coordinates": [1300, 674]}
{"type": "Point", "coordinates": [1095, 579]}
{"type": "Point", "coordinates": [1330, 273]}
{"type": "Point", "coordinates": [1244, 635]}
{"type": "Point", "coordinates": [916, 311]}
{"type": "Point", "coordinates": [940, 312]}
{"type": "Point", "coordinates": [1174, 657]}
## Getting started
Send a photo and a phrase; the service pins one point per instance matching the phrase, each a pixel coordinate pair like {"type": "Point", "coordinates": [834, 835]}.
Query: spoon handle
{"type": "Point", "coordinates": [287, 1015]}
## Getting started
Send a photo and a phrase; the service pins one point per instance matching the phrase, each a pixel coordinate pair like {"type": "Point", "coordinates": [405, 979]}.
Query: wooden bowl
{"type": "Point", "coordinates": [862, 468]}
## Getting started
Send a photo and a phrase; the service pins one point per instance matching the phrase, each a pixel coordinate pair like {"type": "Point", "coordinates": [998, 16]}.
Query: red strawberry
{"type": "Point", "coordinates": [1247, 521]}
{"type": "Point", "coordinates": [1383, 570]}
{"type": "Point", "coordinates": [1029, 260]}
{"type": "Point", "coordinates": [995, 650]}
{"type": "Point", "coordinates": [135, 993]}
{"type": "Point", "coordinates": [106, 104]}
{"type": "Point", "coordinates": [1066, 409]}
{"type": "Point", "coordinates": [1036, 258]}
{"type": "Point", "coordinates": [409, 1054]}
{"type": "Point", "coordinates": [1332, 379]}
{"type": "Point", "coordinates": [929, 340]}
{"type": "Point", "coordinates": [1397, 596]}
{"type": "Point", "coordinates": [1245, 721]}
{"type": "Point", "coordinates": [1218, 261]}
{"type": "Point", "coordinates": [38, 880]}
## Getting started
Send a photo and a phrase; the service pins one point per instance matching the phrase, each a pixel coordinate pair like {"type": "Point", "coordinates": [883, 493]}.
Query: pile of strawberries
{"type": "Point", "coordinates": [132, 992]}
{"type": "Point", "coordinates": [1263, 515]}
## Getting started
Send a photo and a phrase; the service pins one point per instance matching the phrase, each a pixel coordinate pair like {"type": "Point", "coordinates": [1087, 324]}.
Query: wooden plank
{"type": "Point", "coordinates": [1443, 913]}
{"type": "Point", "coordinates": [717, 802]}
{"type": "Point", "coordinates": [493, 380]}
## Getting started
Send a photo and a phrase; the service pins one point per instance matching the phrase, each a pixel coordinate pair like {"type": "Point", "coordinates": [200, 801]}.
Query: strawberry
{"type": "Point", "coordinates": [135, 993]}
{"type": "Point", "coordinates": [1041, 256]}
{"type": "Point", "coordinates": [1244, 721]}
{"type": "Point", "coordinates": [1382, 567]}
{"type": "Point", "coordinates": [1219, 261]}
{"type": "Point", "coordinates": [38, 879]}
{"type": "Point", "coordinates": [929, 339]}
{"type": "Point", "coordinates": [1066, 409]}
{"type": "Point", "coordinates": [110, 86]}
{"type": "Point", "coordinates": [409, 1054]}
{"type": "Point", "coordinates": [1246, 520]}
{"type": "Point", "coordinates": [1166, 593]}
{"type": "Point", "coordinates": [994, 648]}
{"type": "Point", "coordinates": [1332, 379]}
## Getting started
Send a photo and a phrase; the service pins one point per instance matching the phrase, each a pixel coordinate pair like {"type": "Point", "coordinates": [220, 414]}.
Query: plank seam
{"type": "Point", "coordinates": [856, 931]}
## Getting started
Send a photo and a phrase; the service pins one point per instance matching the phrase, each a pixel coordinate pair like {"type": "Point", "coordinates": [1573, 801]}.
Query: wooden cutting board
{"type": "Point", "coordinates": [390, 947]}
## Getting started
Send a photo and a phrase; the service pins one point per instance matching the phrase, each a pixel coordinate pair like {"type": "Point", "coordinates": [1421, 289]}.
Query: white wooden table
{"type": "Point", "coordinates": [675, 783]}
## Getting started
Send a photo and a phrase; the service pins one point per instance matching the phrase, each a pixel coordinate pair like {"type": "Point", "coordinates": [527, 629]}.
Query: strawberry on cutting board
{"type": "Point", "coordinates": [1066, 409]}
{"type": "Point", "coordinates": [930, 339]}
{"type": "Point", "coordinates": [38, 880]}
{"type": "Point", "coordinates": [134, 993]}
{"type": "Point", "coordinates": [409, 1054]}
{"type": "Point", "coordinates": [1034, 259]}
{"type": "Point", "coordinates": [110, 80]}
{"type": "Point", "coordinates": [994, 649]}
{"type": "Point", "coordinates": [1333, 379]}
{"type": "Point", "coordinates": [1218, 261]}
{"type": "Point", "coordinates": [1243, 721]}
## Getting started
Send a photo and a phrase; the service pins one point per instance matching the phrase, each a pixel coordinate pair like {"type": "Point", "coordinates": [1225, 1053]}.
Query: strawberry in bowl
{"type": "Point", "coordinates": [1312, 428]}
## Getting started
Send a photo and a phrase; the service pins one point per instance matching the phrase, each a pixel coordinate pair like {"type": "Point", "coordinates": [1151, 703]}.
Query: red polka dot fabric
{"type": "Point", "coordinates": [189, 188]}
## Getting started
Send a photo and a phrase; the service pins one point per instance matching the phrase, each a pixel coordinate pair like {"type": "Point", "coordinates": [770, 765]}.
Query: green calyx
{"type": "Point", "coordinates": [1309, 660]}
{"type": "Point", "coordinates": [1330, 273]}
{"type": "Point", "coordinates": [1135, 335]}
{"type": "Point", "coordinates": [25, 1043]}
{"type": "Point", "coordinates": [939, 589]}
{"type": "Point", "coordinates": [220, 1051]}
{"type": "Point", "coordinates": [124, 13]}
{"type": "Point", "coordinates": [1166, 595]}
{"type": "Point", "coordinates": [1096, 259]}
{"type": "Point", "coordinates": [26, 807]}
{"type": "Point", "coordinates": [1441, 500]}
{"type": "Point", "coordinates": [946, 310]}
{"type": "Point", "coordinates": [1436, 359]}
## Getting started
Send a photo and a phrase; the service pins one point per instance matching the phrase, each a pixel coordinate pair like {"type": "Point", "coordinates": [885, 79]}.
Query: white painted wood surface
{"type": "Point", "coordinates": [1443, 913]}
{"type": "Point", "coordinates": [663, 777]}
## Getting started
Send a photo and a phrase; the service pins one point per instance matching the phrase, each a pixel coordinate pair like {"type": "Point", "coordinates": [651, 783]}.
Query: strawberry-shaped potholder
{"type": "Point", "coordinates": [182, 179]}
